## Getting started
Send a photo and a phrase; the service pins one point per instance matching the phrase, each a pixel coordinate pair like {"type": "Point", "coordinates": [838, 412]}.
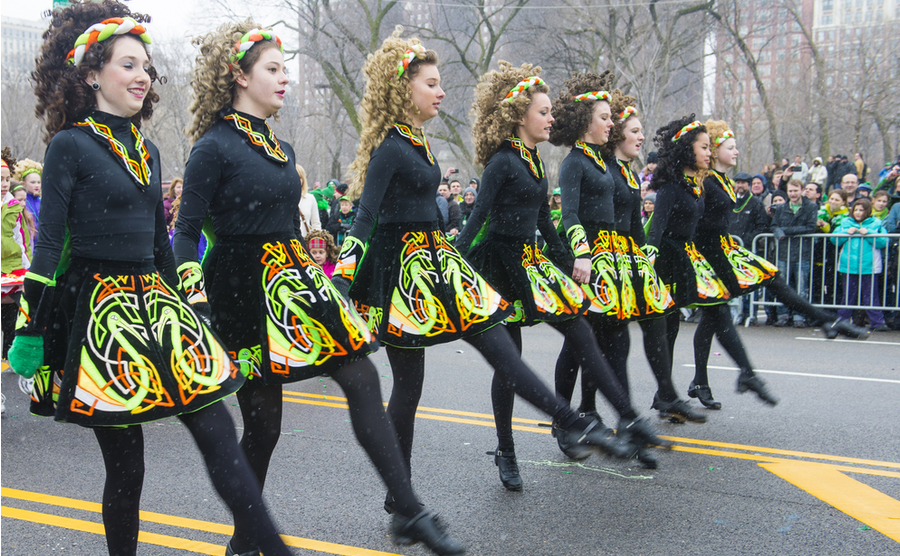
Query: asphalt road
{"type": "Point", "coordinates": [818, 474]}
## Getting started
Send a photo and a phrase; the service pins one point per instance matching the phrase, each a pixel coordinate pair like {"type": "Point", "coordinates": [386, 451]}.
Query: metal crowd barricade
{"type": "Point", "coordinates": [825, 284]}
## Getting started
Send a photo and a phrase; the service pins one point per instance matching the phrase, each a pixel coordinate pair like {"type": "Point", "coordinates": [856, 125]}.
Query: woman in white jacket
{"type": "Point", "coordinates": [309, 211]}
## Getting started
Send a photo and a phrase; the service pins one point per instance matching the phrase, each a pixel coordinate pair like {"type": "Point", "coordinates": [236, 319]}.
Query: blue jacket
{"type": "Point", "coordinates": [857, 256]}
{"type": "Point", "coordinates": [892, 222]}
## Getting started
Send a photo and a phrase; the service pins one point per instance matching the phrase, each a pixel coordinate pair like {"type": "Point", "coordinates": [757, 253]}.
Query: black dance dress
{"type": "Point", "coordinates": [512, 203]}
{"type": "Point", "coordinates": [274, 308]}
{"type": "Point", "coordinates": [739, 269]}
{"type": "Point", "coordinates": [408, 282]}
{"type": "Point", "coordinates": [122, 346]}
{"type": "Point", "coordinates": [690, 278]}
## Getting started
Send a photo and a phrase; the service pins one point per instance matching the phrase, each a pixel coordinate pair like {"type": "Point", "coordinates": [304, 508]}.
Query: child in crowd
{"type": "Point", "coordinates": [648, 206]}
{"type": "Point", "coordinates": [860, 261]}
{"type": "Point", "coordinates": [832, 212]}
{"type": "Point", "coordinates": [323, 250]}
{"type": "Point", "coordinates": [344, 220]}
{"type": "Point", "coordinates": [880, 202]}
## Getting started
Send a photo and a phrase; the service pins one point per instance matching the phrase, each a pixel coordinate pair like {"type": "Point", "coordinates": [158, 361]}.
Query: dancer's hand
{"type": "Point", "coordinates": [581, 271]}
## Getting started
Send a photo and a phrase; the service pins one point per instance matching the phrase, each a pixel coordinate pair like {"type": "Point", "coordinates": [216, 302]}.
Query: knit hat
{"type": "Point", "coordinates": [652, 158]}
{"type": "Point", "coordinates": [779, 193]}
{"type": "Point", "coordinates": [865, 186]}
{"type": "Point", "coordinates": [471, 190]}
{"type": "Point", "coordinates": [761, 177]}
{"type": "Point", "coordinates": [650, 197]}
{"type": "Point", "coordinates": [341, 188]}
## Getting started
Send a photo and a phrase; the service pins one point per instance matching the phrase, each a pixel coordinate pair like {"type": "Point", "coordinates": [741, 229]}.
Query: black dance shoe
{"type": "Point", "coordinates": [230, 552]}
{"type": "Point", "coordinates": [704, 394]}
{"type": "Point", "coordinates": [646, 457]}
{"type": "Point", "coordinates": [425, 527]}
{"type": "Point", "coordinates": [509, 469]}
{"type": "Point", "coordinates": [580, 444]}
{"type": "Point", "coordinates": [678, 411]}
{"type": "Point", "coordinates": [640, 431]}
{"type": "Point", "coordinates": [747, 381]}
{"type": "Point", "coordinates": [845, 328]}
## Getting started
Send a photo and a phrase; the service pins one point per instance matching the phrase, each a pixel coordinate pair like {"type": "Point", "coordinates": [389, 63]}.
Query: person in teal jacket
{"type": "Point", "coordinates": [861, 262]}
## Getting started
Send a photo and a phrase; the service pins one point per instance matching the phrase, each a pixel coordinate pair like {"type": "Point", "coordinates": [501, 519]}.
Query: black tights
{"type": "Point", "coordinates": [261, 407]}
{"type": "Point", "coordinates": [716, 319]}
{"type": "Point", "coordinates": [213, 432]}
{"type": "Point", "coordinates": [498, 349]}
{"type": "Point", "coordinates": [580, 337]}
{"type": "Point", "coordinates": [794, 301]}
{"type": "Point", "coordinates": [615, 343]}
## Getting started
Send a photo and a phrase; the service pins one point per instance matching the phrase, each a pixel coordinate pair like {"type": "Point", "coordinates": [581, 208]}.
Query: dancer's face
{"type": "Point", "coordinates": [124, 80]}
{"type": "Point", "coordinates": [426, 94]}
{"type": "Point", "coordinates": [601, 124]}
{"type": "Point", "coordinates": [4, 181]}
{"type": "Point", "coordinates": [701, 151]}
{"type": "Point", "coordinates": [727, 153]}
{"type": "Point", "coordinates": [32, 183]}
{"type": "Point", "coordinates": [535, 126]}
{"type": "Point", "coordinates": [630, 147]}
{"type": "Point", "coordinates": [260, 91]}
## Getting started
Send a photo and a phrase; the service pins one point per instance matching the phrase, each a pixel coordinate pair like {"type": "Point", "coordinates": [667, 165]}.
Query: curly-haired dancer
{"type": "Point", "coordinates": [413, 288]}
{"type": "Point", "coordinates": [742, 272]}
{"type": "Point", "coordinates": [272, 305]}
{"type": "Point", "coordinates": [117, 293]}
{"type": "Point", "coordinates": [601, 197]}
{"type": "Point", "coordinates": [513, 115]}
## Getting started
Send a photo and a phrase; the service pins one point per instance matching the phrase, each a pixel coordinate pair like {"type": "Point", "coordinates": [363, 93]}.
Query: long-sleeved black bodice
{"type": "Point", "coordinates": [113, 209]}
{"type": "Point", "coordinates": [678, 208]}
{"type": "Point", "coordinates": [627, 200]}
{"type": "Point", "coordinates": [514, 197]}
{"type": "Point", "coordinates": [587, 194]}
{"type": "Point", "coordinates": [401, 183]}
{"type": "Point", "coordinates": [718, 201]}
{"type": "Point", "coordinates": [245, 191]}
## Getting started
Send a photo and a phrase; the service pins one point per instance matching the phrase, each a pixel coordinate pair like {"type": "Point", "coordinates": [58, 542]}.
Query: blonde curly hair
{"type": "Point", "coordinates": [495, 120]}
{"type": "Point", "coordinates": [24, 165]}
{"type": "Point", "coordinates": [213, 79]}
{"type": "Point", "coordinates": [573, 119]}
{"type": "Point", "coordinates": [715, 129]}
{"type": "Point", "coordinates": [618, 102]}
{"type": "Point", "coordinates": [386, 100]}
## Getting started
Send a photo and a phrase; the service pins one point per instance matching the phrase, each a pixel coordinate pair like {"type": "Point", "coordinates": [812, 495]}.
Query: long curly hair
{"type": "Point", "coordinates": [23, 165]}
{"type": "Point", "coordinates": [675, 157]}
{"type": "Point", "coordinates": [213, 79]}
{"type": "Point", "coordinates": [64, 97]}
{"type": "Point", "coordinates": [386, 100]}
{"type": "Point", "coordinates": [495, 120]}
{"type": "Point", "coordinates": [715, 128]}
{"type": "Point", "coordinates": [618, 102]}
{"type": "Point", "coordinates": [6, 155]}
{"type": "Point", "coordinates": [574, 118]}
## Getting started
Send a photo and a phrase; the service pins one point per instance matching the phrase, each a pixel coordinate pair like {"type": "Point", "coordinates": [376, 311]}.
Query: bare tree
{"type": "Point", "coordinates": [20, 129]}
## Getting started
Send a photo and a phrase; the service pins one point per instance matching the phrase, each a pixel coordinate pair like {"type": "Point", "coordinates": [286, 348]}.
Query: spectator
{"type": "Point", "coordinates": [443, 210]}
{"type": "Point", "coordinates": [308, 206]}
{"type": "Point", "coordinates": [28, 173]}
{"type": "Point", "coordinates": [860, 262]}
{"type": "Point", "coordinates": [880, 201]}
{"type": "Point", "coordinates": [324, 196]}
{"type": "Point", "coordinates": [556, 200]}
{"type": "Point", "coordinates": [649, 204]}
{"type": "Point", "coordinates": [778, 181]}
{"type": "Point", "coordinates": [474, 183]}
{"type": "Point", "coordinates": [831, 168]}
{"type": "Point", "coordinates": [465, 209]}
{"type": "Point", "coordinates": [892, 221]}
{"type": "Point", "coordinates": [794, 218]}
{"type": "Point", "coordinates": [172, 194]}
{"type": "Point", "coordinates": [864, 190]}
{"type": "Point", "coordinates": [453, 217]}
{"type": "Point", "coordinates": [323, 250]}
{"type": "Point", "coordinates": [832, 212]}
{"type": "Point", "coordinates": [456, 191]}
{"type": "Point", "coordinates": [646, 173]}
{"type": "Point", "coordinates": [862, 169]}
{"type": "Point", "coordinates": [811, 192]}
{"type": "Point", "coordinates": [850, 184]}
{"type": "Point", "coordinates": [818, 174]}
{"type": "Point", "coordinates": [335, 206]}
{"type": "Point", "coordinates": [758, 186]}
{"type": "Point", "coordinates": [800, 169]}
{"type": "Point", "coordinates": [340, 222]}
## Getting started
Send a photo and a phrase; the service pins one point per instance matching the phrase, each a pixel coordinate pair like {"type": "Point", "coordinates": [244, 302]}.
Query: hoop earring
{"type": "Point", "coordinates": [95, 86]}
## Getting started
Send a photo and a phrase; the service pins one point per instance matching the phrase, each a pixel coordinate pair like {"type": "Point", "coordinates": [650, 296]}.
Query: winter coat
{"type": "Point", "coordinates": [831, 220]}
{"type": "Point", "coordinates": [794, 224]}
{"type": "Point", "coordinates": [749, 220]}
{"type": "Point", "coordinates": [860, 254]}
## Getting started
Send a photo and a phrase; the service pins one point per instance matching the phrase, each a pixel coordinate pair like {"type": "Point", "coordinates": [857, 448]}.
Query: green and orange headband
{"type": "Point", "coordinates": [522, 86]}
{"type": "Point", "coordinates": [627, 113]}
{"type": "Point", "coordinates": [99, 32]}
{"type": "Point", "coordinates": [592, 95]}
{"type": "Point", "coordinates": [250, 38]}
{"type": "Point", "coordinates": [410, 55]}
{"type": "Point", "coordinates": [725, 136]}
{"type": "Point", "coordinates": [686, 129]}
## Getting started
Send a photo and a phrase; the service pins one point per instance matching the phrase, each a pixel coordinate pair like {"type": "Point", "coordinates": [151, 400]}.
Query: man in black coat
{"type": "Point", "coordinates": [749, 220]}
{"type": "Point", "coordinates": [793, 218]}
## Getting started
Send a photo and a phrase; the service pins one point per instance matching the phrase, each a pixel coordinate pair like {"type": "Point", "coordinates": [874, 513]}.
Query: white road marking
{"type": "Point", "coordinates": [848, 341]}
{"type": "Point", "coordinates": [813, 375]}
